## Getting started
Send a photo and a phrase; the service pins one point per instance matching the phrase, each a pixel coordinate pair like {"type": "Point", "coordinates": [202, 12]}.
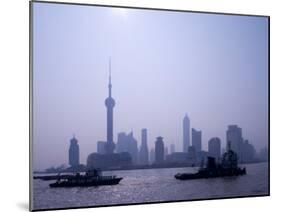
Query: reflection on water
{"type": "Point", "coordinates": [152, 185]}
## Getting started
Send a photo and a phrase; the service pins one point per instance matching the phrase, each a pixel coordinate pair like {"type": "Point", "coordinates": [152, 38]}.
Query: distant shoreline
{"type": "Point", "coordinates": [138, 168]}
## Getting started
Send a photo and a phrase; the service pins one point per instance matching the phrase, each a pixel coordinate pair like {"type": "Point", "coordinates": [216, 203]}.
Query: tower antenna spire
{"type": "Point", "coordinates": [109, 84]}
{"type": "Point", "coordinates": [109, 70]}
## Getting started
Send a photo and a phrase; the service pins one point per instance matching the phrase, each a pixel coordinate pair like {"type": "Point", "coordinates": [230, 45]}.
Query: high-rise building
{"type": "Point", "coordinates": [143, 154]}
{"type": "Point", "coordinates": [101, 147]}
{"type": "Point", "coordinates": [214, 148]}
{"type": "Point", "coordinates": [197, 139]}
{"type": "Point", "coordinates": [73, 153]}
{"type": "Point", "coordinates": [159, 150]}
{"type": "Point", "coordinates": [235, 139]}
{"type": "Point", "coordinates": [166, 152]}
{"type": "Point", "coordinates": [152, 156]}
{"type": "Point", "coordinates": [248, 152]}
{"type": "Point", "coordinates": [109, 103]}
{"type": "Point", "coordinates": [127, 143]}
{"type": "Point", "coordinates": [122, 144]}
{"type": "Point", "coordinates": [186, 133]}
{"type": "Point", "coordinates": [172, 148]}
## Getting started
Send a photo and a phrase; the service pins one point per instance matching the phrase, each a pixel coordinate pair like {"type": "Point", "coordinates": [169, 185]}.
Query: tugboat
{"type": "Point", "coordinates": [90, 178]}
{"type": "Point", "coordinates": [228, 167]}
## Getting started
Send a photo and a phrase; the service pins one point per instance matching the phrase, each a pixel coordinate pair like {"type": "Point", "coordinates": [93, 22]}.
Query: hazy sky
{"type": "Point", "coordinates": [164, 64]}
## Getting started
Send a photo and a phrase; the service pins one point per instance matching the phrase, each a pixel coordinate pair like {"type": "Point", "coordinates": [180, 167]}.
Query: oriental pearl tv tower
{"type": "Point", "coordinates": [109, 103]}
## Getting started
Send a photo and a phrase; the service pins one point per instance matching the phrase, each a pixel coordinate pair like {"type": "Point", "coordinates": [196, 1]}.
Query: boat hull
{"type": "Point", "coordinates": [207, 174]}
{"type": "Point", "coordinates": [100, 182]}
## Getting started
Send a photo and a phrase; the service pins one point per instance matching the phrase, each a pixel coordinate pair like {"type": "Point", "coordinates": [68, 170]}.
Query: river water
{"type": "Point", "coordinates": [152, 185]}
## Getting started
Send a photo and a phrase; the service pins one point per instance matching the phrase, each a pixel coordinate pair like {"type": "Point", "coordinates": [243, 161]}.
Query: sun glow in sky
{"type": "Point", "coordinates": [121, 12]}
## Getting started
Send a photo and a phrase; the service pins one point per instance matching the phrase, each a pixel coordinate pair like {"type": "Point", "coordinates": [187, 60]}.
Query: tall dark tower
{"type": "Point", "coordinates": [159, 150]}
{"type": "Point", "coordinates": [73, 153]}
{"type": "Point", "coordinates": [143, 154]}
{"type": "Point", "coordinates": [109, 103]}
{"type": "Point", "coordinates": [186, 133]}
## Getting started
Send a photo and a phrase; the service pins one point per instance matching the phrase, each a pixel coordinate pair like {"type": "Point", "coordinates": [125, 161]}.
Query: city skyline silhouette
{"type": "Point", "coordinates": [208, 77]}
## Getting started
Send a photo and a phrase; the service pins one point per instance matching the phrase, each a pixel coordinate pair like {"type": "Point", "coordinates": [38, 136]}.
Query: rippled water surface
{"type": "Point", "coordinates": [151, 185]}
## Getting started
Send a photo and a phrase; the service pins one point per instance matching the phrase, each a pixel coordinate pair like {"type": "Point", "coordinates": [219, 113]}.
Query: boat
{"type": "Point", "coordinates": [228, 167]}
{"type": "Point", "coordinates": [90, 178]}
{"type": "Point", "coordinates": [52, 177]}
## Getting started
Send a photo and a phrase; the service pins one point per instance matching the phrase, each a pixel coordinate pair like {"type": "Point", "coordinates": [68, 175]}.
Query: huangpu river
{"type": "Point", "coordinates": [152, 185]}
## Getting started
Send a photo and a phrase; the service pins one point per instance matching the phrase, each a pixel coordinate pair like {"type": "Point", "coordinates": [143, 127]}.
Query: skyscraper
{"type": "Point", "coordinates": [196, 139]}
{"type": "Point", "coordinates": [109, 103]}
{"type": "Point", "coordinates": [122, 143]}
{"type": "Point", "coordinates": [248, 152]}
{"type": "Point", "coordinates": [133, 150]}
{"type": "Point", "coordinates": [186, 133]}
{"type": "Point", "coordinates": [234, 136]}
{"type": "Point", "coordinates": [73, 153]}
{"type": "Point", "coordinates": [101, 147]}
{"type": "Point", "coordinates": [152, 156]}
{"type": "Point", "coordinates": [172, 148]}
{"type": "Point", "coordinates": [166, 152]}
{"type": "Point", "coordinates": [143, 154]}
{"type": "Point", "coordinates": [159, 150]}
{"type": "Point", "coordinates": [127, 143]}
{"type": "Point", "coordinates": [214, 148]}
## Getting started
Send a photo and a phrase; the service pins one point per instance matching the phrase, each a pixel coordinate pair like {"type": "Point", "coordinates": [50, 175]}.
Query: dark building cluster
{"type": "Point", "coordinates": [127, 153]}
{"type": "Point", "coordinates": [193, 154]}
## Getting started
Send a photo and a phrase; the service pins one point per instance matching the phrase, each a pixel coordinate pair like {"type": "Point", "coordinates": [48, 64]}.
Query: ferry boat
{"type": "Point", "coordinates": [228, 167]}
{"type": "Point", "coordinates": [90, 178]}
